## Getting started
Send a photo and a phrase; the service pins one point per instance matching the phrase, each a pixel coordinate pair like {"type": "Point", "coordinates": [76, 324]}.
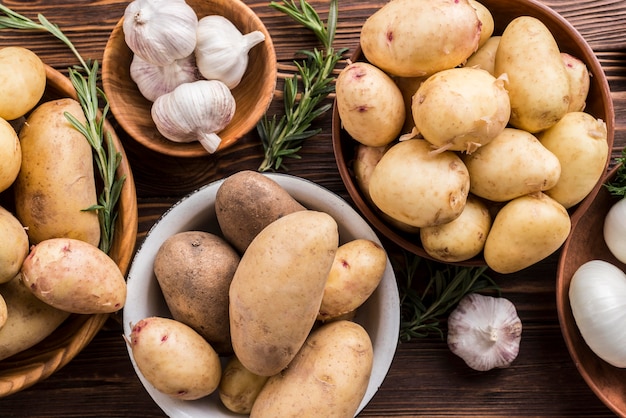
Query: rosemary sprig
{"type": "Point", "coordinates": [107, 159]}
{"type": "Point", "coordinates": [282, 138]}
{"type": "Point", "coordinates": [423, 311]}
{"type": "Point", "coordinates": [617, 187]}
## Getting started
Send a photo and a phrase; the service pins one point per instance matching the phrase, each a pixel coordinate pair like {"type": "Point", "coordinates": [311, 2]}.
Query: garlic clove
{"type": "Point", "coordinates": [484, 331]}
{"type": "Point", "coordinates": [155, 80]}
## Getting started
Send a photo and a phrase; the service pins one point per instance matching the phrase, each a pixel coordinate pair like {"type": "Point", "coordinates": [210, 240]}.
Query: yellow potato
{"type": "Point", "coordinates": [56, 182]}
{"type": "Point", "coordinates": [3, 311]}
{"type": "Point", "coordinates": [327, 378]}
{"type": "Point", "coordinates": [10, 155]}
{"type": "Point", "coordinates": [13, 245]}
{"type": "Point", "coordinates": [486, 21]}
{"type": "Point", "coordinates": [277, 289]}
{"type": "Point", "coordinates": [485, 57]}
{"type": "Point", "coordinates": [357, 269]}
{"type": "Point", "coordinates": [515, 163]}
{"type": "Point", "coordinates": [408, 86]}
{"type": "Point", "coordinates": [579, 141]}
{"type": "Point", "coordinates": [174, 358]}
{"type": "Point", "coordinates": [74, 276]}
{"type": "Point", "coordinates": [414, 38]}
{"type": "Point", "coordinates": [525, 231]}
{"type": "Point", "coordinates": [22, 81]}
{"type": "Point", "coordinates": [538, 83]}
{"type": "Point", "coordinates": [370, 104]}
{"type": "Point", "coordinates": [579, 81]}
{"type": "Point", "coordinates": [239, 387]}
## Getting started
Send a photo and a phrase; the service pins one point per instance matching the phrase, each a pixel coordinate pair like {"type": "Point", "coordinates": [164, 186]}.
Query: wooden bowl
{"type": "Point", "coordinates": [40, 361]}
{"type": "Point", "coordinates": [586, 243]}
{"type": "Point", "coordinates": [252, 96]}
{"type": "Point", "coordinates": [599, 104]}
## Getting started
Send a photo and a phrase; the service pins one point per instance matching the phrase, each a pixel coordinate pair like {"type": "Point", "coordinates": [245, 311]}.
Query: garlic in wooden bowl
{"type": "Point", "coordinates": [253, 94]}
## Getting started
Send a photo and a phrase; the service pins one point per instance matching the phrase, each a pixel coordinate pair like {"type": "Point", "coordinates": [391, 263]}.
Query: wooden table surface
{"type": "Point", "coordinates": [425, 379]}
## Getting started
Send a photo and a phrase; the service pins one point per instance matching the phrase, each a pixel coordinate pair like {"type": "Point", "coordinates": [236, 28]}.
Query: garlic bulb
{"type": "Point", "coordinates": [160, 31]}
{"type": "Point", "coordinates": [155, 80]}
{"type": "Point", "coordinates": [484, 331]}
{"type": "Point", "coordinates": [195, 111]}
{"type": "Point", "coordinates": [222, 50]}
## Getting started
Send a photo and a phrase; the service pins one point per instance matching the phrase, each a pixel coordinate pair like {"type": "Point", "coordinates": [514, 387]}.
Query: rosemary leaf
{"type": "Point", "coordinates": [617, 187]}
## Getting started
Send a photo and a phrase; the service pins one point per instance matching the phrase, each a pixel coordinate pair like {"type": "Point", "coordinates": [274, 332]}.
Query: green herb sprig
{"type": "Point", "coordinates": [422, 311]}
{"type": "Point", "coordinates": [617, 187]}
{"type": "Point", "coordinates": [282, 138]}
{"type": "Point", "coordinates": [107, 159]}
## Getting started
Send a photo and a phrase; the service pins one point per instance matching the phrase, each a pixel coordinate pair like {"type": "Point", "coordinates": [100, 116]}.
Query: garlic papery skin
{"type": "Point", "coordinates": [222, 50]}
{"type": "Point", "coordinates": [160, 31]}
{"type": "Point", "coordinates": [485, 331]}
{"type": "Point", "coordinates": [195, 111]}
{"type": "Point", "coordinates": [615, 230]}
{"type": "Point", "coordinates": [597, 296]}
{"type": "Point", "coordinates": [156, 80]}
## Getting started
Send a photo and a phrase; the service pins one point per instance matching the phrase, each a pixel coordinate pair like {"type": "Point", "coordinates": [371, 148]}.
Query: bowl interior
{"type": "Point", "coordinates": [599, 104]}
{"type": "Point", "coordinates": [252, 96]}
{"type": "Point", "coordinates": [40, 361]}
{"type": "Point", "coordinates": [380, 315]}
{"type": "Point", "coordinates": [586, 243]}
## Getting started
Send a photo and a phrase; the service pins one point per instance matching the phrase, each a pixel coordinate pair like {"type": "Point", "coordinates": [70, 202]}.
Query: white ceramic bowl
{"type": "Point", "coordinates": [380, 315]}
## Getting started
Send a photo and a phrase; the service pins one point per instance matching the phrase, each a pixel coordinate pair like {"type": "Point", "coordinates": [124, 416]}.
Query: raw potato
{"type": "Point", "coordinates": [538, 83]}
{"type": "Point", "coordinates": [461, 109]}
{"type": "Point", "coordinates": [29, 320]}
{"type": "Point", "coordinates": [247, 202]}
{"type": "Point", "coordinates": [515, 163]}
{"type": "Point", "coordinates": [3, 311]}
{"type": "Point", "coordinates": [10, 155]}
{"type": "Point", "coordinates": [580, 143]}
{"type": "Point", "coordinates": [74, 276]}
{"type": "Point", "coordinates": [13, 245]}
{"type": "Point", "coordinates": [239, 387]}
{"type": "Point", "coordinates": [56, 181]}
{"type": "Point", "coordinates": [579, 80]}
{"type": "Point", "coordinates": [408, 86]}
{"type": "Point", "coordinates": [438, 183]}
{"type": "Point", "coordinates": [357, 269]}
{"type": "Point", "coordinates": [485, 57]}
{"type": "Point", "coordinates": [486, 21]}
{"type": "Point", "coordinates": [370, 104]}
{"type": "Point", "coordinates": [194, 270]}
{"type": "Point", "coordinates": [327, 378]}
{"type": "Point", "coordinates": [22, 81]}
{"type": "Point", "coordinates": [174, 358]}
{"type": "Point", "coordinates": [461, 238]}
{"type": "Point", "coordinates": [525, 231]}
{"type": "Point", "coordinates": [414, 38]}
{"type": "Point", "coordinates": [278, 287]}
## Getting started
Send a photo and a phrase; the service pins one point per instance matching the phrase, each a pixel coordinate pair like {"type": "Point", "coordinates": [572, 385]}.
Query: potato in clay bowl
{"type": "Point", "coordinates": [436, 155]}
{"type": "Point", "coordinates": [248, 378]}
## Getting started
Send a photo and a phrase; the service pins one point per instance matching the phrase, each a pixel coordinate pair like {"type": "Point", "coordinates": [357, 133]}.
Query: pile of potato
{"type": "Point", "coordinates": [478, 143]}
{"type": "Point", "coordinates": [274, 295]}
{"type": "Point", "coordinates": [50, 265]}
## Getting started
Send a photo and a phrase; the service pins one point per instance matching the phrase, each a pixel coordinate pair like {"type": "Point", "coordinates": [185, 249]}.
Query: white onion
{"type": "Point", "coordinates": [597, 296]}
{"type": "Point", "coordinates": [615, 230]}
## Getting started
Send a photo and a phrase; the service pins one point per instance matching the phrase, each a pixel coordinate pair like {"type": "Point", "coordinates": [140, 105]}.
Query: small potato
{"type": "Point", "coordinates": [370, 104]}
{"type": "Point", "coordinates": [3, 311]}
{"type": "Point", "coordinates": [194, 270]}
{"type": "Point", "coordinates": [486, 21]}
{"type": "Point", "coordinates": [415, 38]}
{"type": "Point", "coordinates": [418, 187]}
{"type": "Point", "coordinates": [247, 202]}
{"type": "Point", "coordinates": [357, 269]}
{"type": "Point", "coordinates": [29, 320]}
{"type": "Point", "coordinates": [525, 231]}
{"type": "Point", "coordinates": [74, 276]}
{"type": "Point", "coordinates": [579, 81]}
{"type": "Point", "coordinates": [174, 358]}
{"type": "Point", "coordinates": [461, 238]}
{"type": "Point", "coordinates": [579, 141]}
{"type": "Point", "coordinates": [515, 163]}
{"type": "Point", "coordinates": [13, 245]}
{"type": "Point", "coordinates": [239, 387]}
{"type": "Point", "coordinates": [485, 57]}
{"type": "Point", "coordinates": [327, 378]}
{"type": "Point", "coordinates": [22, 81]}
{"type": "Point", "coordinates": [10, 155]}
{"type": "Point", "coordinates": [538, 83]}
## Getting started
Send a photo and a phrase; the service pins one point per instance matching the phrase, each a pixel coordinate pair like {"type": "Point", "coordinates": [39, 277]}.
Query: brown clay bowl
{"type": "Point", "coordinates": [599, 104]}
{"type": "Point", "coordinates": [42, 360]}
{"type": "Point", "coordinates": [252, 96]}
{"type": "Point", "coordinates": [586, 243]}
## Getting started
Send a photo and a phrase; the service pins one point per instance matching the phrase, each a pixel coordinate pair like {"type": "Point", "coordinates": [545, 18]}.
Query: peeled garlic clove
{"type": "Point", "coordinates": [222, 50]}
{"type": "Point", "coordinates": [156, 80]}
{"type": "Point", "coordinates": [195, 111]}
{"type": "Point", "coordinates": [160, 31]}
{"type": "Point", "coordinates": [484, 331]}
